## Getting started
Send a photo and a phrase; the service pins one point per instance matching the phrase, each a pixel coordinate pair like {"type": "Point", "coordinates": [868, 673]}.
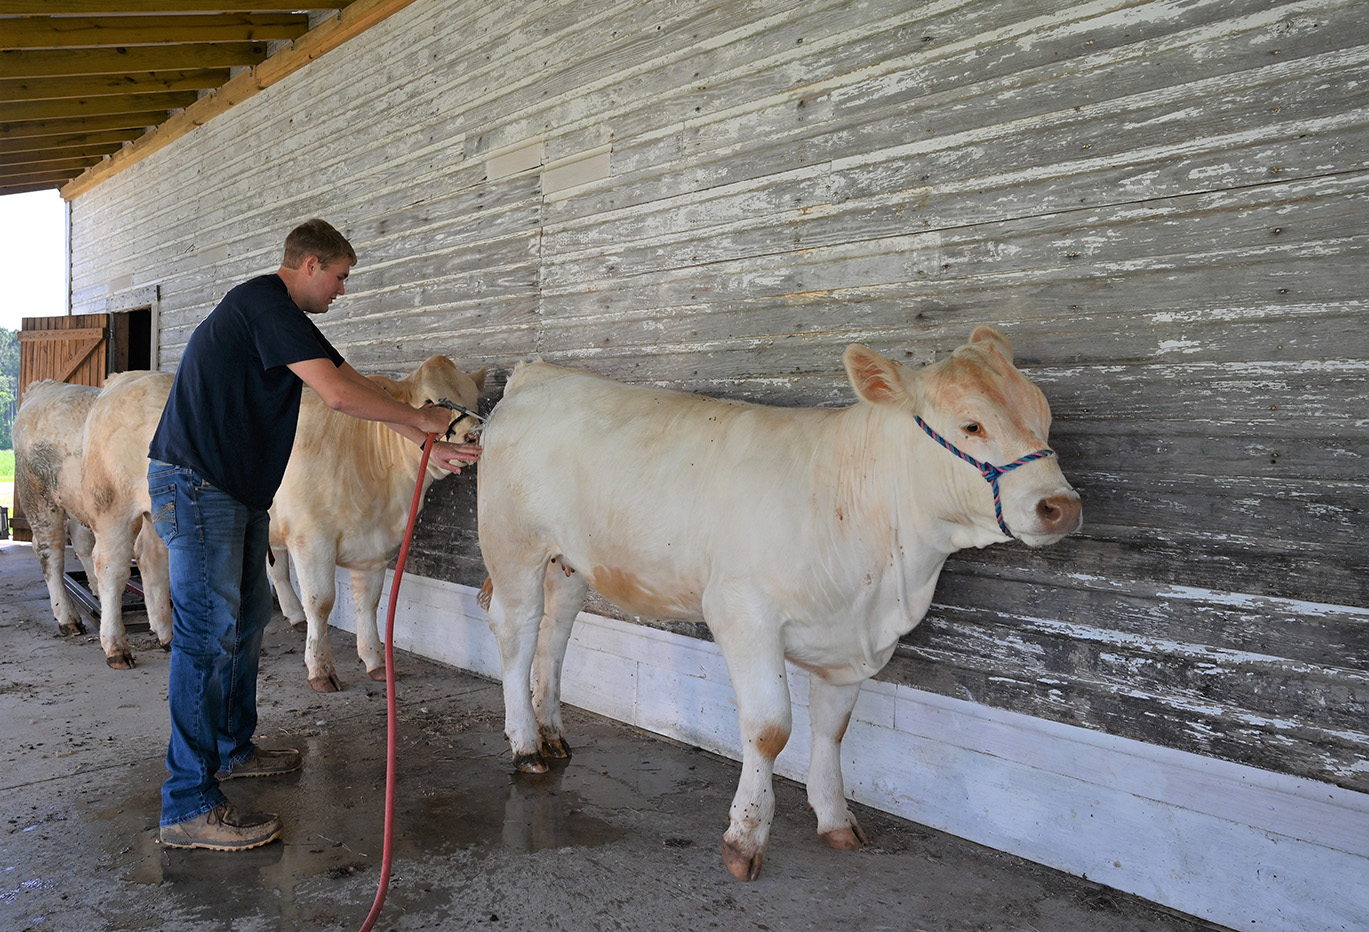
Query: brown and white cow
{"type": "Point", "coordinates": [47, 479]}
{"type": "Point", "coordinates": [813, 535]}
{"type": "Point", "coordinates": [344, 501]}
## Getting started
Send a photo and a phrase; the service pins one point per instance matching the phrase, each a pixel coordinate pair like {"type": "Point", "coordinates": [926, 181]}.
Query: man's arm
{"type": "Point", "coordinates": [344, 389]}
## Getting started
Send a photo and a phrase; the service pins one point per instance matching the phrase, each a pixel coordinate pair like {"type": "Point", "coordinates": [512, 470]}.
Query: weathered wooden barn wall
{"type": "Point", "coordinates": [1162, 203]}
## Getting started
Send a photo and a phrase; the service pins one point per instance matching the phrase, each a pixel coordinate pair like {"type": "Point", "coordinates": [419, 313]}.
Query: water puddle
{"type": "Point", "coordinates": [342, 834]}
{"type": "Point", "coordinates": [529, 813]}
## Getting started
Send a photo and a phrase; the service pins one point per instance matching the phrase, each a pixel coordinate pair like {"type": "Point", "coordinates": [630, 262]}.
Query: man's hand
{"type": "Point", "coordinates": [436, 420]}
{"type": "Point", "coordinates": [452, 456]}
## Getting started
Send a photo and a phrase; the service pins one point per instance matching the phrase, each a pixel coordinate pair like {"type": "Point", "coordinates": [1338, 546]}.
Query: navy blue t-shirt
{"type": "Point", "coordinates": [234, 405]}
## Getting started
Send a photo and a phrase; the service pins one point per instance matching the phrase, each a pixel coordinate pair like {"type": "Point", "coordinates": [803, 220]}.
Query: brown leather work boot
{"type": "Point", "coordinates": [223, 829]}
{"type": "Point", "coordinates": [264, 763]}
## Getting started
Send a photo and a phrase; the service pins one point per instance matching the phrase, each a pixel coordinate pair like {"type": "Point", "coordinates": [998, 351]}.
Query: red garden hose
{"type": "Point", "coordinates": [391, 730]}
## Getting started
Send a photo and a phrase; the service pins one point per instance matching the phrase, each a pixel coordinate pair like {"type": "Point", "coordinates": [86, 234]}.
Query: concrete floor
{"type": "Point", "coordinates": [625, 836]}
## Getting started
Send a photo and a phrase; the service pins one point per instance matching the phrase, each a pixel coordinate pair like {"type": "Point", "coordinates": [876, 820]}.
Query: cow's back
{"type": "Point", "coordinates": [630, 483]}
{"type": "Point", "coordinates": [117, 435]}
{"type": "Point", "coordinates": [47, 443]}
{"type": "Point", "coordinates": [350, 480]}
{"type": "Point", "coordinates": [579, 435]}
{"type": "Point", "coordinates": [342, 483]}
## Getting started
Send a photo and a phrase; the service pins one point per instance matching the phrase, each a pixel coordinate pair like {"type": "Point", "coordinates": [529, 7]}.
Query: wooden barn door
{"type": "Point", "coordinates": [71, 349]}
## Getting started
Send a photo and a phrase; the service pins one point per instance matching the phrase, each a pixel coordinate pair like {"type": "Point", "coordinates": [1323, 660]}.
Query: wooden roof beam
{"type": "Point", "coordinates": [56, 64]}
{"type": "Point", "coordinates": [76, 107]}
{"type": "Point", "coordinates": [96, 7]}
{"type": "Point", "coordinates": [139, 121]}
{"type": "Point", "coordinates": [62, 32]}
{"type": "Point", "coordinates": [147, 82]}
{"type": "Point", "coordinates": [35, 181]}
{"type": "Point", "coordinates": [350, 23]}
{"type": "Point", "coordinates": [72, 165]}
{"type": "Point", "coordinates": [28, 188]}
{"type": "Point", "coordinates": [23, 144]}
{"type": "Point", "coordinates": [60, 154]}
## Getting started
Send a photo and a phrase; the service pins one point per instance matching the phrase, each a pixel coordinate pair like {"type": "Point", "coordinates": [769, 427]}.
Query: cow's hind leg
{"type": "Point", "coordinates": [83, 542]}
{"type": "Point", "coordinates": [564, 593]}
{"type": "Point", "coordinates": [830, 707]}
{"type": "Point", "coordinates": [515, 615]}
{"type": "Point", "coordinates": [366, 586]}
{"type": "Point", "coordinates": [154, 569]}
{"type": "Point", "coordinates": [290, 605]}
{"type": "Point", "coordinates": [318, 591]}
{"type": "Point", "coordinates": [48, 524]}
{"type": "Point", "coordinates": [113, 558]}
{"type": "Point", "coordinates": [755, 663]}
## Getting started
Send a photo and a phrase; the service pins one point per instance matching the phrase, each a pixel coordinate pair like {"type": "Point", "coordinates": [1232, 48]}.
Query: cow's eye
{"type": "Point", "coordinates": [972, 428]}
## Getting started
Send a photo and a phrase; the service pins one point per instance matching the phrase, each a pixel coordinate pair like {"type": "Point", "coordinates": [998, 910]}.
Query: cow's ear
{"type": "Point", "coordinates": [479, 379]}
{"type": "Point", "coordinates": [986, 334]}
{"type": "Point", "coordinates": [874, 378]}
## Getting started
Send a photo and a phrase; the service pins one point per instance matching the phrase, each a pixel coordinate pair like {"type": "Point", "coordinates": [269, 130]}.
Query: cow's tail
{"type": "Point", "coordinates": [485, 594]}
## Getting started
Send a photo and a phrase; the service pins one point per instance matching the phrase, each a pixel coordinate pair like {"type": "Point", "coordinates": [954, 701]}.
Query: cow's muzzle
{"type": "Point", "coordinates": [991, 473]}
{"type": "Point", "coordinates": [462, 413]}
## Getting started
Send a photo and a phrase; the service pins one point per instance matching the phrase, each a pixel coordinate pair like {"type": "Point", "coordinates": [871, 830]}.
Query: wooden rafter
{"type": "Point", "coordinates": [72, 32]}
{"type": "Point", "coordinates": [15, 135]}
{"type": "Point", "coordinates": [51, 63]}
{"type": "Point", "coordinates": [108, 85]}
{"type": "Point", "coordinates": [88, 87]}
{"type": "Point", "coordinates": [146, 7]}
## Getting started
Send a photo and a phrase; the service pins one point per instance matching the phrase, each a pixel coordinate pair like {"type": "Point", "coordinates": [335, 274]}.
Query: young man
{"type": "Point", "coordinates": [218, 456]}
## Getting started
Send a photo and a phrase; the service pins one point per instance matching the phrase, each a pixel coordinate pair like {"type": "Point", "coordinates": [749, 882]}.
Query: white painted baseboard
{"type": "Point", "coordinates": [1242, 847]}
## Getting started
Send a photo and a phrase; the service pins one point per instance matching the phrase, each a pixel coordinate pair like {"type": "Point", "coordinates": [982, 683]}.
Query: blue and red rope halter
{"type": "Point", "coordinates": [989, 471]}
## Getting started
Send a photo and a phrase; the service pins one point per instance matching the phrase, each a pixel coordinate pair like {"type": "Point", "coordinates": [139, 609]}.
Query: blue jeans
{"type": "Point", "coordinates": [221, 603]}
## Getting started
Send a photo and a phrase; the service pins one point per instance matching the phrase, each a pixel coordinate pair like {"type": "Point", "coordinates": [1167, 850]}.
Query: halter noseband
{"type": "Point", "coordinates": [989, 471]}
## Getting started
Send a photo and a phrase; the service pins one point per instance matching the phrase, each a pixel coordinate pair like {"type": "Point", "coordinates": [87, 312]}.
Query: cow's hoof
{"type": "Point", "coordinates": [122, 661]}
{"type": "Point", "coordinates": [741, 865]}
{"type": "Point", "coordinates": [555, 746]}
{"type": "Point", "coordinates": [529, 763]}
{"type": "Point", "coordinates": [302, 626]}
{"type": "Point", "coordinates": [845, 839]}
{"type": "Point", "coordinates": [165, 645]}
{"type": "Point", "coordinates": [325, 684]}
{"type": "Point", "coordinates": [378, 674]}
{"type": "Point", "coordinates": [72, 628]}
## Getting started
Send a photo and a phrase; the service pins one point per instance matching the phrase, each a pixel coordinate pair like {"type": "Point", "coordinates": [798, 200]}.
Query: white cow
{"type": "Point", "coordinates": [55, 463]}
{"type": "Point", "coordinates": [116, 505]}
{"type": "Point", "coordinates": [47, 478]}
{"type": "Point", "coordinates": [344, 501]}
{"type": "Point", "coordinates": [815, 535]}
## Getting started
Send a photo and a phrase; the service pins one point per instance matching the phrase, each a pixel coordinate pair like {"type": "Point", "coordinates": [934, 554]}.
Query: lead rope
{"type": "Point", "coordinates": [989, 471]}
{"type": "Point", "coordinates": [391, 729]}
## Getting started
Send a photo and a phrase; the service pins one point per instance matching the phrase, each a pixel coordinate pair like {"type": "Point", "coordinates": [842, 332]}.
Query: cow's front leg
{"type": "Point", "coordinates": [366, 586]}
{"type": "Point", "coordinates": [113, 558]}
{"type": "Point", "coordinates": [318, 589]}
{"type": "Point", "coordinates": [564, 592]}
{"type": "Point", "coordinates": [830, 709]}
{"type": "Point", "coordinates": [763, 712]}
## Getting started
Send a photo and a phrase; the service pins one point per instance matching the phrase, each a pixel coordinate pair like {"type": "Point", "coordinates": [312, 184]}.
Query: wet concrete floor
{"type": "Point", "coordinates": [624, 836]}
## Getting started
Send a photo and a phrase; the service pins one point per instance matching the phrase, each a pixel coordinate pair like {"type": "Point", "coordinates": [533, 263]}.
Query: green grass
{"type": "Point", "coordinates": [7, 479]}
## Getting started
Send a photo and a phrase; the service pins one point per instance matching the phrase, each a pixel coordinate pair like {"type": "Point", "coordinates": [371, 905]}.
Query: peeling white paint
{"type": "Point", "coordinates": [1180, 346]}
